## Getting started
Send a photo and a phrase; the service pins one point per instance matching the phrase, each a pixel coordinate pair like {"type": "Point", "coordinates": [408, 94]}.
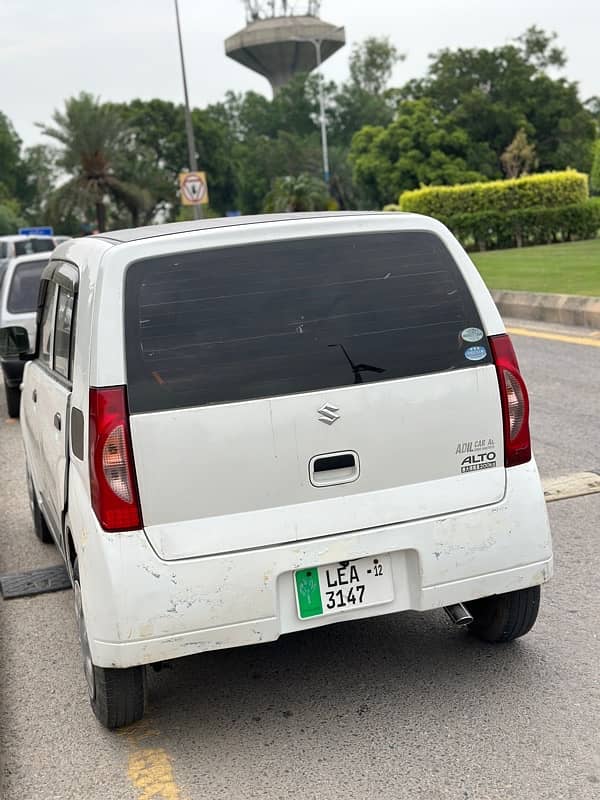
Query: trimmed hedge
{"type": "Point", "coordinates": [547, 190]}
{"type": "Point", "coordinates": [487, 230]}
{"type": "Point", "coordinates": [490, 229]}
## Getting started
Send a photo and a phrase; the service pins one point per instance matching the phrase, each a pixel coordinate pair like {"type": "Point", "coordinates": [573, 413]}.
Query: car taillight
{"type": "Point", "coordinates": [112, 474]}
{"type": "Point", "coordinates": [515, 402]}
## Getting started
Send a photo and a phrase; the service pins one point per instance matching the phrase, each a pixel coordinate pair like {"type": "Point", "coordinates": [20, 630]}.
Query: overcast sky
{"type": "Point", "coordinates": [121, 49]}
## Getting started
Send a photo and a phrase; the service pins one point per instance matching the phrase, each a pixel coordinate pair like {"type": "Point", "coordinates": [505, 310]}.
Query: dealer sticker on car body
{"type": "Point", "coordinates": [344, 586]}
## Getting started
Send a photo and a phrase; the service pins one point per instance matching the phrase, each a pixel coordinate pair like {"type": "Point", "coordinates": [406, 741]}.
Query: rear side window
{"type": "Point", "coordinates": [47, 325]}
{"type": "Point", "coordinates": [62, 333]}
{"type": "Point", "coordinates": [24, 287]}
{"type": "Point", "coordinates": [28, 246]}
{"type": "Point", "coordinates": [292, 316]}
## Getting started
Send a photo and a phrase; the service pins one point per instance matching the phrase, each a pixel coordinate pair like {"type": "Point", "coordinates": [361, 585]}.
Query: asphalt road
{"type": "Point", "coordinates": [402, 707]}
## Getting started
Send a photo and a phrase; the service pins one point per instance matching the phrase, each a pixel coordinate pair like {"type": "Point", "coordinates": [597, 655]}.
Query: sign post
{"type": "Point", "coordinates": [189, 129]}
{"type": "Point", "coordinates": [194, 189]}
{"type": "Point", "coordinates": [44, 230]}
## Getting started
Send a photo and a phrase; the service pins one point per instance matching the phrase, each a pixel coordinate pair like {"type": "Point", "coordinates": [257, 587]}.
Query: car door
{"type": "Point", "coordinates": [54, 397]}
{"type": "Point", "coordinates": [36, 373]}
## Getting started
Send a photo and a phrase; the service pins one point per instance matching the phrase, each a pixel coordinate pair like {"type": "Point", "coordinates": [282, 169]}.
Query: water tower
{"type": "Point", "coordinates": [278, 42]}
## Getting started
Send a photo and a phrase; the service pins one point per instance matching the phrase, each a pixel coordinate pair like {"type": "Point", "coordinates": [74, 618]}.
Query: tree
{"type": "Point", "coordinates": [493, 93]}
{"type": "Point", "coordinates": [10, 156]}
{"type": "Point", "coordinates": [261, 160]}
{"type": "Point", "coordinates": [301, 193]}
{"type": "Point", "coordinates": [159, 152]}
{"type": "Point", "coordinates": [519, 157]}
{"type": "Point", "coordinates": [24, 180]}
{"type": "Point", "coordinates": [372, 62]}
{"type": "Point", "coordinates": [592, 104]}
{"type": "Point", "coordinates": [93, 137]}
{"type": "Point", "coordinates": [421, 146]}
{"type": "Point", "coordinates": [38, 179]}
{"type": "Point", "coordinates": [595, 174]}
{"type": "Point", "coordinates": [365, 99]}
{"type": "Point", "coordinates": [271, 138]}
{"type": "Point", "coordinates": [294, 109]}
{"type": "Point", "coordinates": [537, 48]}
{"type": "Point", "coordinates": [10, 218]}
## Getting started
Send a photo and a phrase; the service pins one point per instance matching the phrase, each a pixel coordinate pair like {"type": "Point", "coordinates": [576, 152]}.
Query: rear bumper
{"type": "Point", "coordinates": [147, 651]}
{"type": "Point", "coordinates": [140, 609]}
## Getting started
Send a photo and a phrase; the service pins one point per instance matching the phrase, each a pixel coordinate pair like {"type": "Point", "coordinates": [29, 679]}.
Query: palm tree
{"type": "Point", "coordinates": [297, 193]}
{"type": "Point", "coordinates": [94, 138]}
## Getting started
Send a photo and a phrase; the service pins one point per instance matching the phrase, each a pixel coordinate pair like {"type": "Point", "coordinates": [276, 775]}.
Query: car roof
{"type": "Point", "coordinates": [168, 229]}
{"type": "Point", "coordinates": [20, 237]}
{"type": "Point", "coordinates": [45, 255]}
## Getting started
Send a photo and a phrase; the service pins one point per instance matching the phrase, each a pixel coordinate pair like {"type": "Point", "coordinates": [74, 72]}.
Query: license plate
{"type": "Point", "coordinates": [344, 586]}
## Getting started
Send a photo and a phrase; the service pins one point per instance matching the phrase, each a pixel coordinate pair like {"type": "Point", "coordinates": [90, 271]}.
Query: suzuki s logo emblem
{"type": "Point", "coordinates": [328, 414]}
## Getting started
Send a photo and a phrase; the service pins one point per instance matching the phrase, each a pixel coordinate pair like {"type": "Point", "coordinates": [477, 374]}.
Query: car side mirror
{"type": "Point", "coordinates": [14, 342]}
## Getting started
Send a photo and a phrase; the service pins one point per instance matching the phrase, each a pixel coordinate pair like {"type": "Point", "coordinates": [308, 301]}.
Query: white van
{"type": "Point", "coordinates": [239, 428]}
{"type": "Point", "coordinates": [19, 289]}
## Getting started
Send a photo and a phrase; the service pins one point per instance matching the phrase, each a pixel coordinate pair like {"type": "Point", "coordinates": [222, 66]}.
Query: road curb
{"type": "Point", "coordinates": [565, 309]}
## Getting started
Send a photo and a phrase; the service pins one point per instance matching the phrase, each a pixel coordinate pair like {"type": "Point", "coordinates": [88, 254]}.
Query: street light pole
{"type": "Point", "coordinates": [188, 116]}
{"type": "Point", "coordinates": [322, 118]}
{"type": "Point", "coordinates": [324, 146]}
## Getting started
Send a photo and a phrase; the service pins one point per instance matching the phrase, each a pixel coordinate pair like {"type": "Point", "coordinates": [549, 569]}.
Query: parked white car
{"type": "Point", "coordinates": [18, 245]}
{"type": "Point", "coordinates": [264, 425]}
{"type": "Point", "coordinates": [19, 290]}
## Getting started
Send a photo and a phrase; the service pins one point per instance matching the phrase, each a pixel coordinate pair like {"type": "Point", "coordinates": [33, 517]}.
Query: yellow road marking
{"type": "Point", "coordinates": [150, 769]}
{"type": "Point", "coordinates": [151, 773]}
{"type": "Point", "coordinates": [555, 337]}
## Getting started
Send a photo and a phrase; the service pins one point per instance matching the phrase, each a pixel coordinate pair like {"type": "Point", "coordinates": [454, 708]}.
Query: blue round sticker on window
{"type": "Point", "coordinates": [475, 353]}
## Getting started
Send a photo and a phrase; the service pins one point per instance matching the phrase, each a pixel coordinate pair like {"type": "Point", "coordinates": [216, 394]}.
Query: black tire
{"type": "Point", "coordinates": [13, 400]}
{"type": "Point", "coordinates": [117, 696]}
{"type": "Point", "coordinates": [504, 617]}
{"type": "Point", "coordinates": [40, 527]}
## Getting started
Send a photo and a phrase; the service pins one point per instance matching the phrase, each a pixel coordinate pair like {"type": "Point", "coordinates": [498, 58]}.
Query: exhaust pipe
{"type": "Point", "coordinates": [458, 614]}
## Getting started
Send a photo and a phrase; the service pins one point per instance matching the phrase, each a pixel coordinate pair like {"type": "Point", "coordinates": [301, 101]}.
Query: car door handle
{"type": "Point", "coordinates": [57, 421]}
{"type": "Point", "coordinates": [34, 396]}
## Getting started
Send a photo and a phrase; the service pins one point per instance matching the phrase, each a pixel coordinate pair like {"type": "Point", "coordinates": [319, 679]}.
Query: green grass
{"type": "Point", "coordinates": [571, 268]}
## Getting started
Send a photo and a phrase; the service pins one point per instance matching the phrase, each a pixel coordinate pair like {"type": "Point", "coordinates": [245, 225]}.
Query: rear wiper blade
{"type": "Point", "coordinates": [357, 369]}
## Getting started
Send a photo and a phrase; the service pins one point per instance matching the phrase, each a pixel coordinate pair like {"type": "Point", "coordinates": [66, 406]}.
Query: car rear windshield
{"type": "Point", "coordinates": [28, 246]}
{"type": "Point", "coordinates": [277, 318]}
{"type": "Point", "coordinates": [24, 287]}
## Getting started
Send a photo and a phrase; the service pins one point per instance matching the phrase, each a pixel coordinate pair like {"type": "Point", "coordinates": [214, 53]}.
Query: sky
{"type": "Point", "coordinates": [121, 49]}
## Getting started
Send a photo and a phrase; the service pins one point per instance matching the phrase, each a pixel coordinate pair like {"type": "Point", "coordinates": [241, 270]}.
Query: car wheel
{"type": "Point", "coordinates": [42, 531]}
{"type": "Point", "coordinates": [13, 400]}
{"type": "Point", "coordinates": [117, 696]}
{"type": "Point", "coordinates": [504, 617]}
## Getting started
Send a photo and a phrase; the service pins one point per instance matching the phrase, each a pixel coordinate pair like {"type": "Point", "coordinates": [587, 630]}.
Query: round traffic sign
{"type": "Point", "coordinates": [193, 188]}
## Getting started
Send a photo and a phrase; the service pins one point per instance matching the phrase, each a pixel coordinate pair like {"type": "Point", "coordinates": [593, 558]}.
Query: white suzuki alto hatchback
{"type": "Point", "coordinates": [239, 428]}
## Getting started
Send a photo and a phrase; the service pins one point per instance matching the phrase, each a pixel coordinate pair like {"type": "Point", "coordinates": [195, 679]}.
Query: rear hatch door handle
{"type": "Point", "coordinates": [331, 469]}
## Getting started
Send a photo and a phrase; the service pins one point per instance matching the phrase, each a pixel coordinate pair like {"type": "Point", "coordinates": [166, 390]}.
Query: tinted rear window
{"type": "Point", "coordinates": [24, 287]}
{"type": "Point", "coordinates": [294, 316]}
{"type": "Point", "coordinates": [28, 246]}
